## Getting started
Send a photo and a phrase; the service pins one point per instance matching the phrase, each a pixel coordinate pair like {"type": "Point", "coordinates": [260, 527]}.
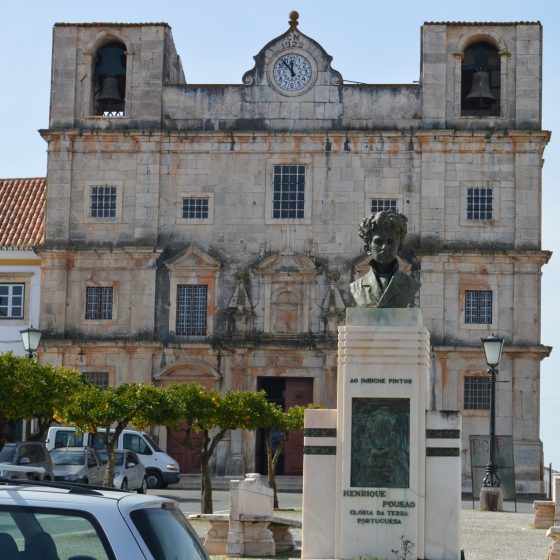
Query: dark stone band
{"type": "Point", "coordinates": [319, 432]}
{"type": "Point", "coordinates": [319, 450]}
{"type": "Point", "coordinates": [443, 434]}
{"type": "Point", "coordinates": [443, 452]}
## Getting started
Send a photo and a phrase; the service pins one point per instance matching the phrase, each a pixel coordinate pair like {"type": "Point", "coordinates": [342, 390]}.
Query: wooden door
{"type": "Point", "coordinates": [299, 391]}
{"type": "Point", "coordinates": [187, 457]}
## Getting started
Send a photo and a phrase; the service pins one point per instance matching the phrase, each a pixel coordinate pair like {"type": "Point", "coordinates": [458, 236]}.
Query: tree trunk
{"type": "Point", "coordinates": [272, 462]}
{"type": "Point", "coordinates": [206, 488]}
{"type": "Point", "coordinates": [109, 473]}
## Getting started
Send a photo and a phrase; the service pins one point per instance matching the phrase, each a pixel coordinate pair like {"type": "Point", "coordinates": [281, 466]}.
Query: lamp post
{"type": "Point", "coordinates": [31, 338]}
{"type": "Point", "coordinates": [490, 494]}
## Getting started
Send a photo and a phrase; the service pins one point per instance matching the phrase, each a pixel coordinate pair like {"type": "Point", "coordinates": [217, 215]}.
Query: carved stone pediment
{"type": "Point", "coordinates": [193, 258]}
{"type": "Point", "coordinates": [293, 41]}
{"type": "Point", "coordinates": [286, 282]}
{"type": "Point", "coordinates": [286, 263]}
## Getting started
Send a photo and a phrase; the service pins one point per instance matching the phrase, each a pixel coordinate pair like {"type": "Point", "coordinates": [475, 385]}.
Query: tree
{"type": "Point", "coordinates": [113, 409]}
{"type": "Point", "coordinates": [276, 425]}
{"type": "Point", "coordinates": [213, 413]}
{"type": "Point", "coordinates": [29, 390]}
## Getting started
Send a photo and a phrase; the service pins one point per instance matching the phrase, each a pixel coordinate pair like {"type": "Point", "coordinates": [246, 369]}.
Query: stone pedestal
{"type": "Point", "coordinates": [554, 550]}
{"type": "Point", "coordinates": [251, 504]}
{"type": "Point", "coordinates": [319, 479]}
{"type": "Point", "coordinates": [491, 499]}
{"type": "Point", "coordinates": [384, 357]}
{"type": "Point", "coordinates": [443, 484]}
{"type": "Point", "coordinates": [374, 477]}
{"type": "Point", "coordinates": [556, 498]}
{"type": "Point", "coordinates": [544, 514]}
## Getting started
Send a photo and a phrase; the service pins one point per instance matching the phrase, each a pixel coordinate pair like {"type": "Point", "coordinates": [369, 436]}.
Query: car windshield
{"type": "Point", "coordinates": [168, 535]}
{"type": "Point", "coordinates": [8, 453]}
{"type": "Point", "coordinates": [155, 446]}
{"type": "Point", "coordinates": [63, 457]}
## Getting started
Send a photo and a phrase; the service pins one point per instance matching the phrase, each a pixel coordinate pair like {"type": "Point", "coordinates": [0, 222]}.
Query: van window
{"type": "Point", "coordinates": [136, 443]}
{"type": "Point", "coordinates": [96, 441]}
{"type": "Point", "coordinates": [67, 438]}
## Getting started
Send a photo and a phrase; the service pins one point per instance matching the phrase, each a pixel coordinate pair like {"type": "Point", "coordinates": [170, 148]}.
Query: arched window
{"type": "Point", "coordinates": [480, 81]}
{"type": "Point", "coordinates": [109, 80]}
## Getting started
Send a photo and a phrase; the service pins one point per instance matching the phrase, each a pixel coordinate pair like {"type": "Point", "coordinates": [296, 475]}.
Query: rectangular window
{"type": "Point", "coordinates": [195, 208]}
{"type": "Point", "coordinates": [99, 378]}
{"type": "Point", "coordinates": [380, 204]}
{"type": "Point", "coordinates": [11, 301]}
{"type": "Point", "coordinates": [288, 198]}
{"type": "Point", "coordinates": [103, 202]}
{"type": "Point", "coordinates": [477, 393]}
{"type": "Point", "coordinates": [480, 204]}
{"type": "Point", "coordinates": [99, 302]}
{"type": "Point", "coordinates": [478, 307]}
{"type": "Point", "coordinates": [191, 310]}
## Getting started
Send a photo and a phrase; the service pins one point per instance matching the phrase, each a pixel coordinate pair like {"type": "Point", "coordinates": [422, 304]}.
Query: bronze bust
{"type": "Point", "coordinates": [384, 285]}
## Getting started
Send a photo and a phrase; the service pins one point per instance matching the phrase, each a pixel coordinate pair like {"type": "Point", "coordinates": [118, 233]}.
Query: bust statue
{"type": "Point", "coordinates": [384, 285]}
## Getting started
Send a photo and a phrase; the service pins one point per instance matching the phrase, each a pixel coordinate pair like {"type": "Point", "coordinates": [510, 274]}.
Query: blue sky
{"type": "Point", "coordinates": [370, 41]}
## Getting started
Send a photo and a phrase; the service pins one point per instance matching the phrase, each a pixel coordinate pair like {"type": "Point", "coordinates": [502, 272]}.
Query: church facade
{"type": "Point", "coordinates": [208, 233]}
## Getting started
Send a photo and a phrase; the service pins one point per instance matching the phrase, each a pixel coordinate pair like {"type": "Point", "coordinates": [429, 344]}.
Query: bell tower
{"type": "Point", "coordinates": [482, 75]}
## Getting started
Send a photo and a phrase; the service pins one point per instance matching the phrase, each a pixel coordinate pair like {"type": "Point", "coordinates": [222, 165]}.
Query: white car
{"type": "Point", "coordinates": [130, 473]}
{"type": "Point", "coordinates": [78, 464]}
{"type": "Point", "coordinates": [49, 520]}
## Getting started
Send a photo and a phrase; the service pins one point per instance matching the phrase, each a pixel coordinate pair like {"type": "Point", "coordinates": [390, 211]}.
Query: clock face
{"type": "Point", "coordinates": [292, 72]}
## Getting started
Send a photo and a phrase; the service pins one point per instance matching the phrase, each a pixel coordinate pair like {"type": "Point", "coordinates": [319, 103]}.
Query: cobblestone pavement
{"type": "Point", "coordinates": [484, 536]}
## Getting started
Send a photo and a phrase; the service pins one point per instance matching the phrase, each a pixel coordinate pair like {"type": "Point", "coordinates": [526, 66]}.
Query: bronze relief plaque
{"type": "Point", "coordinates": [380, 444]}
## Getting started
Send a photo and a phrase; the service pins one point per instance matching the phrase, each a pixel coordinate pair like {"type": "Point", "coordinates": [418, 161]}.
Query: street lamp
{"type": "Point", "coordinates": [493, 346]}
{"type": "Point", "coordinates": [31, 338]}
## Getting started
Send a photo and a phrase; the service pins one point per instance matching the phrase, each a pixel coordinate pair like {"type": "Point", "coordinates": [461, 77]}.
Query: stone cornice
{"type": "Point", "coordinates": [539, 350]}
{"type": "Point", "coordinates": [542, 257]}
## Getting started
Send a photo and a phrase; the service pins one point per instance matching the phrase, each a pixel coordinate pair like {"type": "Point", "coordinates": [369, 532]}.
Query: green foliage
{"type": "Point", "coordinates": [212, 413]}
{"type": "Point", "coordinates": [29, 390]}
{"type": "Point", "coordinates": [115, 408]}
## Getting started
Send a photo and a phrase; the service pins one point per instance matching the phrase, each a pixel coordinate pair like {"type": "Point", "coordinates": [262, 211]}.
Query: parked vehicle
{"type": "Point", "coordinates": [26, 454]}
{"type": "Point", "coordinates": [63, 520]}
{"type": "Point", "coordinates": [130, 473]}
{"type": "Point", "coordinates": [78, 464]}
{"type": "Point", "coordinates": [161, 469]}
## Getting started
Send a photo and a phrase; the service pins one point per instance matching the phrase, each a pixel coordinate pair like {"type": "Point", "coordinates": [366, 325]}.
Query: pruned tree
{"type": "Point", "coordinates": [31, 390]}
{"type": "Point", "coordinates": [212, 414]}
{"type": "Point", "coordinates": [276, 425]}
{"type": "Point", "coordinates": [109, 411]}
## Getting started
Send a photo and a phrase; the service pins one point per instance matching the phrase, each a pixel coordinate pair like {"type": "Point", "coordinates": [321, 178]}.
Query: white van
{"type": "Point", "coordinates": [161, 469]}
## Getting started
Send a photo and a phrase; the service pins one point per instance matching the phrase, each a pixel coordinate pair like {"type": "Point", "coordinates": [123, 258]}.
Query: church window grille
{"type": "Point", "coordinates": [478, 307]}
{"type": "Point", "coordinates": [476, 393]}
{"type": "Point", "coordinates": [192, 310]}
{"type": "Point", "coordinates": [288, 199]}
{"type": "Point", "coordinates": [99, 302]}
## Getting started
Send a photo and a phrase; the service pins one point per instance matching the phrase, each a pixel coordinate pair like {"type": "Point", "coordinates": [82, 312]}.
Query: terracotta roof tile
{"type": "Point", "coordinates": [22, 212]}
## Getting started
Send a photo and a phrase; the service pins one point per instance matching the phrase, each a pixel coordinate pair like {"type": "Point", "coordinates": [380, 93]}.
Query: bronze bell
{"type": "Point", "coordinates": [481, 86]}
{"type": "Point", "coordinates": [110, 91]}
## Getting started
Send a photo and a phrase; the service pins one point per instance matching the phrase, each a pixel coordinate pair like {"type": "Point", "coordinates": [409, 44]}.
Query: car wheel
{"type": "Point", "coordinates": [124, 485]}
{"type": "Point", "coordinates": [144, 487]}
{"type": "Point", "coordinates": [155, 479]}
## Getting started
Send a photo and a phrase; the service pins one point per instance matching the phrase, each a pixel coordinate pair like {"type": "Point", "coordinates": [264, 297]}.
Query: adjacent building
{"type": "Point", "coordinates": [22, 228]}
{"type": "Point", "coordinates": [208, 233]}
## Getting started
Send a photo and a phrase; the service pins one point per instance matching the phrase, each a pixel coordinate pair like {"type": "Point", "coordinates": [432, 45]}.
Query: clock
{"type": "Point", "coordinates": [292, 73]}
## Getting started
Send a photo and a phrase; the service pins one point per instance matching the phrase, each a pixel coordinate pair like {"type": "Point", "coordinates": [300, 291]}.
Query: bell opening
{"type": "Point", "coordinates": [109, 80]}
{"type": "Point", "coordinates": [480, 81]}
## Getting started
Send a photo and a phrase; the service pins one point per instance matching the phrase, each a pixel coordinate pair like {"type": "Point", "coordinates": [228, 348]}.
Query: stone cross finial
{"type": "Point", "coordinates": [293, 20]}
